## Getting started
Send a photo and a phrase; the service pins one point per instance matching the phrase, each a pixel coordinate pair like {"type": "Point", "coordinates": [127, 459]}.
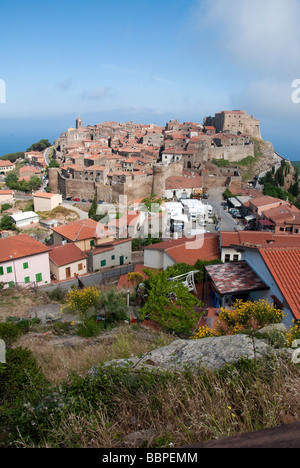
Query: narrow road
{"type": "Point", "coordinates": [46, 154]}
{"type": "Point", "coordinates": [69, 205]}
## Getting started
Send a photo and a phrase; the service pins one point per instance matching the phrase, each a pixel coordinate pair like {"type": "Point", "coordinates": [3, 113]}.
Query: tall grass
{"type": "Point", "coordinates": [181, 409]}
{"type": "Point", "coordinates": [57, 362]}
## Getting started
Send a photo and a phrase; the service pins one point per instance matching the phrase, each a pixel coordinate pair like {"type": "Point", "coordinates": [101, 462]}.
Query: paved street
{"type": "Point", "coordinates": [227, 223]}
{"type": "Point", "coordinates": [70, 206]}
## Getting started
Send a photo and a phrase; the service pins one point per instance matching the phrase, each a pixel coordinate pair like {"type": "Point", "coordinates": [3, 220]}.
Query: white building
{"type": "Point", "coordinates": [24, 219]}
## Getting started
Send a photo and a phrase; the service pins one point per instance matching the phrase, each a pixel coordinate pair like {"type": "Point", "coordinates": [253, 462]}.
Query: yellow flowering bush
{"type": "Point", "coordinates": [80, 301]}
{"type": "Point", "coordinates": [293, 334]}
{"type": "Point", "coordinates": [204, 332]}
{"type": "Point", "coordinates": [245, 315]}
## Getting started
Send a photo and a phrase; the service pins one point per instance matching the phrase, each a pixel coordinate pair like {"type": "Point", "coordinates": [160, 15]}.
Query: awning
{"type": "Point", "coordinates": [235, 202]}
{"type": "Point", "coordinates": [250, 218]}
{"type": "Point", "coordinates": [266, 222]}
{"type": "Point", "coordinates": [234, 278]}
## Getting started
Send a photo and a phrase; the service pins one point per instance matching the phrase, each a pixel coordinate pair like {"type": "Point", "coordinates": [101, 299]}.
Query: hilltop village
{"type": "Point", "coordinates": [123, 197]}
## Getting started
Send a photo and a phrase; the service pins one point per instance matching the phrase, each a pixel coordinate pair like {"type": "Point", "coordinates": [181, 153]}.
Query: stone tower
{"type": "Point", "coordinates": [79, 123]}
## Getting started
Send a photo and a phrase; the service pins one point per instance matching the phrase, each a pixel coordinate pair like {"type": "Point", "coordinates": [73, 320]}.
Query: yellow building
{"type": "Point", "coordinates": [44, 201]}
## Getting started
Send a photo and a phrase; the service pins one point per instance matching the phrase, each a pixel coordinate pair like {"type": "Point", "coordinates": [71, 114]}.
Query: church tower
{"type": "Point", "coordinates": [79, 123]}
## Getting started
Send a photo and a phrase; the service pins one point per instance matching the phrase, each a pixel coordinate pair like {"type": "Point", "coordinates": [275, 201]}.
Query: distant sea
{"type": "Point", "coordinates": [19, 134]}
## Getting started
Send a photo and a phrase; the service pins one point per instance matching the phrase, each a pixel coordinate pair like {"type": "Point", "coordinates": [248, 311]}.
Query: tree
{"type": "Point", "coordinates": [5, 206]}
{"type": "Point", "coordinates": [169, 303]}
{"type": "Point", "coordinates": [12, 157]}
{"type": "Point", "coordinates": [228, 194]}
{"type": "Point", "coordinates": [152, 203]}
{"type": "Point", "coordinates": [34, 183]}
{"type": "Point", "coordinates": [113, 305]}
{"type": "Point", "coordinates": [93, 208]}
{"type": "Point", "coordinates": [39, 146]}
{"type": "Point", "coordinates": [6, 223]}
{"type": "Point", "coordinates": [294, 189]}
{"type": "Point", "coordinates": [11, 179]}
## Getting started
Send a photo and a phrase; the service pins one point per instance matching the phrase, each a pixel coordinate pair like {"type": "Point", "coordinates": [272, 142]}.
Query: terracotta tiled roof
{"type": "Point", "coordinates": [6, 192]}
{"type": "Point", "coordinates": [66, 254]}
{"type": "Point", "coordinates": [4, 163]}
{"type": "Point", "coordinates": [108, 246]}
{"type": "Point", "coordinates": [29, 169]}
{"type": "Point", "coordinates": [256, 238]}
{"type": "Point", "coordinates": [81, 230]}
{"type": "Point", "coordinates": [283, 263]}
{"type": "Point", "coordinates": [189, 250]}
{"type": "Point", "coordinates": [283, 214]}
{"type": "Point", "coordinates": [44, 195]}
{"type": "Point", "coordinates": [20, 246]}
{"type": "Point", "coordinates": [178, 182]}
{"type": "Point", "coordinates": [266, 200]}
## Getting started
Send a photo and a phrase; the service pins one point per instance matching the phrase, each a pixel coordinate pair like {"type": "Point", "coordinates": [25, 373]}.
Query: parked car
{"type": "Point", "coordinates": [76, 199]}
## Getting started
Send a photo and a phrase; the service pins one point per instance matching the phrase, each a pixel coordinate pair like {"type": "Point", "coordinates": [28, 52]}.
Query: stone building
{"type": "Point", "coordinates": [236, 121]}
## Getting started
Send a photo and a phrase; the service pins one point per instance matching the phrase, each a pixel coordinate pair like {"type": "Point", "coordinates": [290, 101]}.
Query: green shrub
{"type": "Point", "coordinates": [9, 332]}
{"type": "Point", "coordinates": [57, 295]}
{"type": "Point", "coordinates": [90, 327]}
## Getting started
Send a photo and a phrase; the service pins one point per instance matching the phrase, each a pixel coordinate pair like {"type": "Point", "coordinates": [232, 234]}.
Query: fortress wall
{"type": "Point", "coordinates": [76, 188]}
{"type": "Point", "coordinates": [133, 190]}
{"type": "Point", "coordinates": [161, 172]}
{"type": "Point", "coordinates": [230, 153]}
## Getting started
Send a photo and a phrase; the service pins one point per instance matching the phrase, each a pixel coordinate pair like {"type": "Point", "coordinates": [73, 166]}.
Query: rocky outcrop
{"type": "Point", "coordinates": [212, 353]}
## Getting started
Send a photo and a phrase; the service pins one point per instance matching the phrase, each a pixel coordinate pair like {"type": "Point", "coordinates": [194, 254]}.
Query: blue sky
{"type": "Point", "coordinates": [147, 61]}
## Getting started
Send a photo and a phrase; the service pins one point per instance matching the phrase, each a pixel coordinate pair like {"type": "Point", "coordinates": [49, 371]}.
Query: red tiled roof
{"type": "Point", "coordinates": [108, 246]}
{"type": "Point", "coordinates": [256, 238]}
{"type": "Point", "coordinates": [266, 200]}
{"type": "Point", "coordinates": [177, 182]}
{"type": "Point", "coordinates": [4, 163]}
{"type": "Point", "coordinates": [189, 250]}
{"type": "Point", "coordinates": [20, 246]}
{"type": "Point", "coordinates": [29, 169]}
{"type": "Point", "coordinates": [283, 214]}
{"type": "Point", "coordinates": [283, 263]}
{"type": "Point", "coordinates": [44, 195]}
{"type": "Point", "coordinates": [66, 254]}
{"type": "Point", "coordinates": [81, 230]}
{"type": "Point", "coordinates": [6, 192]}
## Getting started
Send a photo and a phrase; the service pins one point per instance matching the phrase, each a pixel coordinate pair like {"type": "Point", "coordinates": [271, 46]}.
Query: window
{"type": "Point", "coordinates": [38, 277]}
{"type": "Point", "coordinates": [113, 257]}
{"type": "Point", "coordinates": [235, 258]}
{"type": "Point", "coordinates": [103, 263]}
{"type": "Point", "coordinates": [27, 279]}
{"type": "Point", "coordinates": [92, 243]}
{"type": "Point", "coordinates": [25, 266]}
{"type": "Point", "coordinates": [80, 267]}
{"type": "Point", "coordinates": [227, 258]}
{"type": "Point", "coordinates": [9, 269]}
{"type": "Point", "coordinates": [1, 271]}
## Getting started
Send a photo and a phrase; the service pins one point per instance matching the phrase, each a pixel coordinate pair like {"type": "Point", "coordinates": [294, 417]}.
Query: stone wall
{"type": "Point", "coordinates": [76, 188]}
{"type": "Point", "coordinates": [53, 179]}
{"type": "Point", "coordinates": [161, 172]}
{"type": "Point", "coordinates": [133, 190]}
{"type": "Point", "coordinates": [231, 153]}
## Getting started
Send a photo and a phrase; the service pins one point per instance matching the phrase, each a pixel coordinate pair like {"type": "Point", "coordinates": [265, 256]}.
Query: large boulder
{"type": "Point", "coordinates": [212, 353]}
